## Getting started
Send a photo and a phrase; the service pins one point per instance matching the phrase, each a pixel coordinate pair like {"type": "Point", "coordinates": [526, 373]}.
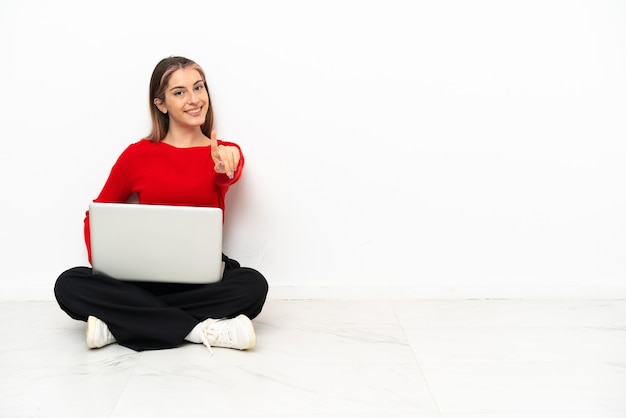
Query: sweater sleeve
{"type": "Point", "coordinates": [117, 189]}
{"type": "Point", "coordinates": [223, 183]}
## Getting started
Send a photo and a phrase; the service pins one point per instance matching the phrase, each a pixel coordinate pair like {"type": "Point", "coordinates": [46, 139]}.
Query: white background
{"type": "Point", "coordinates": [427, 148]}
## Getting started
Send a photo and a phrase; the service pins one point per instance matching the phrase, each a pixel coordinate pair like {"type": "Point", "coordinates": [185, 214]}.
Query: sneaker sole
{"type": "Point", "coordinates": [248, 324]}
{"type": "Point", "coordinates": [90, 333]}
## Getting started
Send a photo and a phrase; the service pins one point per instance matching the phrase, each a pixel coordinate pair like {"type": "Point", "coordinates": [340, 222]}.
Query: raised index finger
{"type": "Point", "coordinates": [215, 153]}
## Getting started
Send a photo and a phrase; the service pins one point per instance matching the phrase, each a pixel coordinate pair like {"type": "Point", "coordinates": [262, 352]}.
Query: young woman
{"type": "Point", "coordinates": [180, 163]}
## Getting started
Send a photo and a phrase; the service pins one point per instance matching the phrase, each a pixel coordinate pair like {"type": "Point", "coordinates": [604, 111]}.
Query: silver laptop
{"type": "Point", "coordinates": [155, 243]}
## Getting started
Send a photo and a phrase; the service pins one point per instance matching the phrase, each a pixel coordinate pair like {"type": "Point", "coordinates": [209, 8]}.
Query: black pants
{"type": "Point", "coordinates": [149, 316]}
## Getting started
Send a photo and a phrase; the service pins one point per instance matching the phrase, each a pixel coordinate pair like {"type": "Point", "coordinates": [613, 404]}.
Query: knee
{"type": "Point", "coordinates": [259, 283]}
{"type": "Point", "coordinates": [257, 291]}
{"type": "Point", "coordinates": [67, 280]}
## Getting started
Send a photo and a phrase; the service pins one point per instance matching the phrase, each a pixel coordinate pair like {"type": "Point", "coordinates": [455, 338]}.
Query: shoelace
{"type": "Point", "coordinates": [205, 341]}
{"type": "Point", "coordinates": [220, 335]}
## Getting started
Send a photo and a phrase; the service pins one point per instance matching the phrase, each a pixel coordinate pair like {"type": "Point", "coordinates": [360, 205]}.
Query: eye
{"type": "Point", "coordinates": [178, 93]}
{"type": "Point", "coordinates": [199, 87]}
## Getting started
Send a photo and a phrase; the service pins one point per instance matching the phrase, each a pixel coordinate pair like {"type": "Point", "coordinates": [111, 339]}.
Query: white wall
{"type": "Point", "coordinates": [423, 148]}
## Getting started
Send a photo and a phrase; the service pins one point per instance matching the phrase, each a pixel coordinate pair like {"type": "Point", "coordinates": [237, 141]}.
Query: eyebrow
{"type": "Point", "coordinates": [182, 87]}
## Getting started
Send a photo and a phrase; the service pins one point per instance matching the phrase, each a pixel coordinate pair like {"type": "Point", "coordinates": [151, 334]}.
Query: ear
{"type": "Point", "coordinates": [160, 105]}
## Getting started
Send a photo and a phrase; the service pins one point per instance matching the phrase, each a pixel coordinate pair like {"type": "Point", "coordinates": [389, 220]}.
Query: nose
{"type": "Point", "coordinates": [193, 97]}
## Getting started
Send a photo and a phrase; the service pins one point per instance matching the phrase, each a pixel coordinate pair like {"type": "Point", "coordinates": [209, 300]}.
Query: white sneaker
{"type": "Point", "coordinates": [236, 333]}
{"type": "Point", "coordinates": [98, 334]}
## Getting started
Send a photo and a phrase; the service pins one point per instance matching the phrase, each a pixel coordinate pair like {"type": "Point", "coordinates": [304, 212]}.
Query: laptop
{"type": "Point", "coordinates": [156, 243]}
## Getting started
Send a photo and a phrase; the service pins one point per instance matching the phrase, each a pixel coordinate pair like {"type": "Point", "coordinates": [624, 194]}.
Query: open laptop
{"type": "Point", "coordinates": [156, 243]}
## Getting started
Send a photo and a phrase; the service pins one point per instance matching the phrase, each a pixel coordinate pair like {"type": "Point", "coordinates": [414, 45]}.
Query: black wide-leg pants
{"type": "Point", "coordinates": [150, 316]}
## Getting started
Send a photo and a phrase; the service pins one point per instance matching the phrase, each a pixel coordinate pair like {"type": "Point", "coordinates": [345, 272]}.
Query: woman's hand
{"type": "Point", "coordinates": [225, 157]}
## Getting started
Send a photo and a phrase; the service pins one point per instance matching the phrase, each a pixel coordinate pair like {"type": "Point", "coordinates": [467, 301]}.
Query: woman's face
{"type": "Point", "coordinates": [186, 98]}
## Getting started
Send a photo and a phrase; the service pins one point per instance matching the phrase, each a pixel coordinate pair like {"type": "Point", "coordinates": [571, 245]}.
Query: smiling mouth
{"type": "Point", "coordinates": [195, 112]}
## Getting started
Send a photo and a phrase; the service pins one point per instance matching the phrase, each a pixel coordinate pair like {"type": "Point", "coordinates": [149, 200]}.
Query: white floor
{"type": "Point", "coordinates": [321, 358]}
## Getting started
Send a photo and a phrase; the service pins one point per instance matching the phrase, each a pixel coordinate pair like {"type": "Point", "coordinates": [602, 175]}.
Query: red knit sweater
{"type": "Point", "coordinates": [160, 174]}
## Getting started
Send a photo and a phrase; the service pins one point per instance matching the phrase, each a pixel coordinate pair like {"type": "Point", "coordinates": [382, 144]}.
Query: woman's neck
{"type": "Point", "coordinates": [186, 138]}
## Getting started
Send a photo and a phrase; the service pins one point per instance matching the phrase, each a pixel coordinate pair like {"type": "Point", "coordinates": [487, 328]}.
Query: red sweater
{"type": "Point", "coordinates": [161, 174]}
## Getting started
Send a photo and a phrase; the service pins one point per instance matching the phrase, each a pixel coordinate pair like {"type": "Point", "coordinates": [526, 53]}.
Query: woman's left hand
{"type": "Point", "coordinates": [225, 157]}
